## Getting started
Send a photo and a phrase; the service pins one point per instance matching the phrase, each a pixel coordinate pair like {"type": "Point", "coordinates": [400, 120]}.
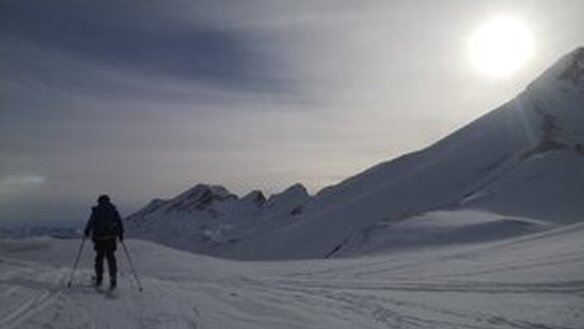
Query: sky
{"type": "Point", "coordinates": [142, 99]}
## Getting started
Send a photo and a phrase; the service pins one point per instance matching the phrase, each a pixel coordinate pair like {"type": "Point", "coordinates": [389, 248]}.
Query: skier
{"type": "Point", "coordinates": [105, 227]}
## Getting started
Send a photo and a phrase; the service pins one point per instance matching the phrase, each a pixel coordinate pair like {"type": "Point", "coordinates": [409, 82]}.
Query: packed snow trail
{"type": "Point", "coordinates": [533, 282]}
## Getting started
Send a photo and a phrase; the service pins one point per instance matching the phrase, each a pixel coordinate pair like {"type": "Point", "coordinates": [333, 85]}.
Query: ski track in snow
{"type": "Point", "coordinates": [24, 297]}
{"type": "Point", "coordinates": [479, 287]}
{"type": "Point", "coordinates": [82, 306]}
{"type": "Point", "coordinates": [373, 300]}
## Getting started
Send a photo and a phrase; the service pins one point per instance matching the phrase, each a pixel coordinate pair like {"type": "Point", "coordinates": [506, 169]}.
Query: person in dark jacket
{"type": "Point", "coordinates": [105, 227]}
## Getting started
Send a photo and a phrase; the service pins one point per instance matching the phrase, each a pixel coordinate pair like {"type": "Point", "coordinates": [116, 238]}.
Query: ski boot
{"type": "Point", "coordinates": [113, 284]}
{"type": "Point", "coordinates": [97, 281]}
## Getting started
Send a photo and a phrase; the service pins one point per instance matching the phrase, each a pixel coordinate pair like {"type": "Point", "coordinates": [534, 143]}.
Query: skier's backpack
{"type": "Point", "coordinates": [105, 221]}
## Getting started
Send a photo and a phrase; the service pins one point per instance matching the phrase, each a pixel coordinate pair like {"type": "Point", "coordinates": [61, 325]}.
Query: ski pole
{"type": "Point", "coordinates": [76, 262]}
{"type": "Point", "coordinates": [132, 265]}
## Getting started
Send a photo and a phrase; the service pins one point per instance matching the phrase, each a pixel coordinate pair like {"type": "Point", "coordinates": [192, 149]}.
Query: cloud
{"type": "Point", "coordinates": [15, 185]}
{"type": "Point", "coordinates": [154, 39]}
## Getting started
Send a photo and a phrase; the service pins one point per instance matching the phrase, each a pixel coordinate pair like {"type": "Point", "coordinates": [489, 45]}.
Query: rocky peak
{"type": "Point", "coordinates": [291, 201]}
{"type": "Point", "coordinates": [293, 192]}
{"type": "Point", "coordinates": [255, 197]}
{"type": "Point", "coordinates": [573, 70]}
{"type": "Point", "coordinates": [568, 71]}
{"type": "Point", "coordinates": [199, 198]}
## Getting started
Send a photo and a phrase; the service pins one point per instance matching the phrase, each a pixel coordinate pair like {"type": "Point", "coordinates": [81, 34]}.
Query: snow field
{"type": "Point", "coordinates": [535, 281]}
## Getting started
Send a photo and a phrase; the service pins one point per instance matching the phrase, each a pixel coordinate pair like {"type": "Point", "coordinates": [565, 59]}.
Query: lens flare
{"type": "Point", "coordinates": [501, 46]}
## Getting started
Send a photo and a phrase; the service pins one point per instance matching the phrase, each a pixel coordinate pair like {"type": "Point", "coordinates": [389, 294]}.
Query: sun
{"type": "Point", "coordinates": [501, 46]}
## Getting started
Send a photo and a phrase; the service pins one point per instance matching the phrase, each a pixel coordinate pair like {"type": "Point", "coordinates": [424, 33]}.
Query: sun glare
{"type": "Point", "coordinates": [501, 46]}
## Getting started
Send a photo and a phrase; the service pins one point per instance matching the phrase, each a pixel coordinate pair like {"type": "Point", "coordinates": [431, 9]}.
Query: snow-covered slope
{"type": "Point", "coordinates": [521, 163]}
{"type": "Point", "coordinates": [529, 282]}
{"type": "Point", "coordinates": [522, 160]}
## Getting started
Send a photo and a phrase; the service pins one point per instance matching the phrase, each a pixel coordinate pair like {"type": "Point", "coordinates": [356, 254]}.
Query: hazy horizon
{"type": "Point", "coordinates": [144, 100]}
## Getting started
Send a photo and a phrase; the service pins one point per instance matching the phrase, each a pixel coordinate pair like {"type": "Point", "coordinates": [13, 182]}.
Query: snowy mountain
{"type": "Point", "coordinates": [20, 232]}
{"type": "Point", "coordinates": [209, 219]}
{"type": "Point", "coordinates": [518, 169]}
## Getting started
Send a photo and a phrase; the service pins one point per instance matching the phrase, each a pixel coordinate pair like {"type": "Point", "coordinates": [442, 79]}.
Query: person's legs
{"type": "Point", "coordinates": [111, 263]}
{"type": "Point", "coordinates": [99, 255]}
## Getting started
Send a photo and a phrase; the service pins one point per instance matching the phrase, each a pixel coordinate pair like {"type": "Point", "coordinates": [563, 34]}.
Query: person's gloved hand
{"type": "Point", "coordinates": [121, 237]}
{"type": "Point", "coordinates": [86, 233]}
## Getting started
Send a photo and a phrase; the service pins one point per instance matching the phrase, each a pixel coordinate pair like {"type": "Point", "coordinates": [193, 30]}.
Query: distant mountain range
{"type": "Point", "coordinates": [209, 219]}
{"type": "Point", "coordinates": [516, 170]}
{"type": "Point", "coordinates": [57, 232]}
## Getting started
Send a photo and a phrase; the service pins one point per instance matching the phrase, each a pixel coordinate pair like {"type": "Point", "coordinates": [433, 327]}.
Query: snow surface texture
{"type": "Point", "coordinates": [530, 282]}
{"type": "Point", "coordinates": [519, 167]}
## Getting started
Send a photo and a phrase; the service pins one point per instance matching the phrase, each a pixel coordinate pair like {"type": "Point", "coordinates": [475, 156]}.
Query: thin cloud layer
{"type": "Point", "coordinates": [147, 38]}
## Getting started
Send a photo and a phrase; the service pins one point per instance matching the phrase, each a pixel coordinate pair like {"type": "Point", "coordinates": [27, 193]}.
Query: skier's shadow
{"type": "Point", "coordinates": [110, 295]}
{"type": "Point", "coordinates": [93, 290]}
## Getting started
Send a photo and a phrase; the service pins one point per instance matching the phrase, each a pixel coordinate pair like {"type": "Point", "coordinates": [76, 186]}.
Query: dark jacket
{"type": "Point", "coordinates": [105, 223]}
